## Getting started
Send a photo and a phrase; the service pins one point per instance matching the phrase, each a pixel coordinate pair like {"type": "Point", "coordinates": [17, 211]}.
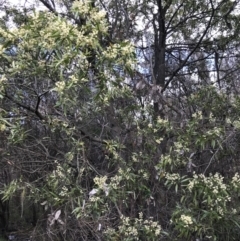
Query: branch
{"type": "Point", "coordinates": [47, 5]}
{"type": "Point", "coordinates": [91, 138]}
{"type": "Point", "coordinates": [215, 153]}
{"type": "Point", "coordinates": [194, 49]}
{"type": "Point", "coordinates": [29, 108]}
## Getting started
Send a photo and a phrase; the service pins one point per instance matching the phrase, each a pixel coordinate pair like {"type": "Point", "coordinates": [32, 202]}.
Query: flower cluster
{"type": "Point", "coordinates": [186, 219]}
{"type": "Point", "coordinates": [112, 51]}
{"type": "Point", "coordinates": [100, 181]}
{"type": "Point", "coordinates": [127, 228]}
{"type": "Point", "coordinates": [236, 180]}
{"type": "Point", "coordinates": [173, 178]}
{"type": "Point", "coordinates": [214, 182]}
{"type": "Point", "coordinates": [125, 173]}
{"type": "Point", "coordinates": [98, 16]}
{"type": "Point", "coordinates": [80, 6]}
{"type": "Point", "coordinates": [216, 131]}
{"type": "Point", "coordinates": [64, 191]}
{"type": "Point", "coordinates": [236, 124]}
{"type": "Point", "coordinates": [215, 194]}
{"type": "Point", "coordinates": [197, 115]}
{"type": "Point", "coordinates": [120, 53]}
{"type": "Point", "coordinates": [159, 140]}
{"type": "Point", "coordinates": [60, 175]}
{"type": "Point", "coordinates": [152, 226]}
{"type": "Point", "coordinates": [2, 127]}
{"type": "Point", "coordinates": [135, 229]}
{"type": "Point", "coordinates": [115, 181]}
{"type": "Point", "coordinates": [163, 122]}
{"type": "Point", "coordinates": [180, 147]}
{"type": "Point", "coordinates": [60, 86]}
{"type": "Point", "coordinates": [94, 199]}
{"type": "Point", "coordinates": [6, 35]}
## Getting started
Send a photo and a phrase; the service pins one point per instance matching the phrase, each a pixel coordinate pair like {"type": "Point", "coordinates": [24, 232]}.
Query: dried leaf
{"type": "Point", "coordinates": [43, 203]}
{"type": "Point", "coordinates": [51, 220]}
{"type": "Point", "coordinates": [140, 85]}
{"type": "Point", "coordinates": [106, 189]}
{"type": "Point", "coordinates": [57, 214]}
{"type": "Point", "coordinates": [60, 221]}
{"type": "Point", "coordinates": [192, 154]}
{"type": "Point", "coordinates": [93, 192]}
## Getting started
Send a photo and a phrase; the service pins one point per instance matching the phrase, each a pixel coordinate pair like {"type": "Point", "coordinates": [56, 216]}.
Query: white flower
{"type": "Point", "coordinates": [187, 220]}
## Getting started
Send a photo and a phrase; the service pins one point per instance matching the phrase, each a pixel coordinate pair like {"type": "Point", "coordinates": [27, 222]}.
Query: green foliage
{"type": "Point", "coordinates": [136, 229]}
{"type": "Point", "coordinates": [206, 206]}
{"type": "Point", "coordinates": [108, 158]}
